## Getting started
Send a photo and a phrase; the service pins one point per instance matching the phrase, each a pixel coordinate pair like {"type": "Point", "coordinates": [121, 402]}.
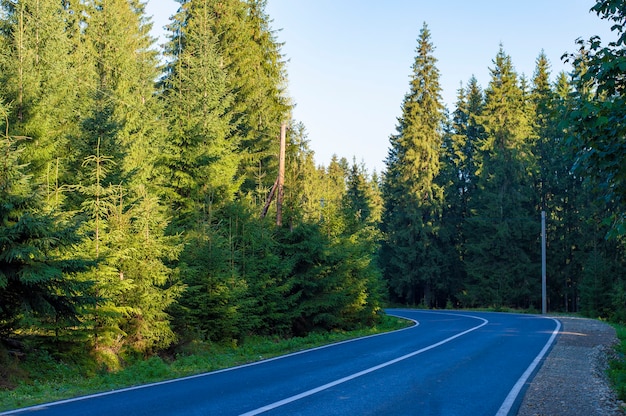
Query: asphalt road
{"type": "Point", "coordinates": [450, 363]}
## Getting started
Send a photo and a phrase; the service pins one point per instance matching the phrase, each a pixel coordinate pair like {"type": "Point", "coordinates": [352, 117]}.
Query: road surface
{"type": "Point", "coordinates": [449, 363]}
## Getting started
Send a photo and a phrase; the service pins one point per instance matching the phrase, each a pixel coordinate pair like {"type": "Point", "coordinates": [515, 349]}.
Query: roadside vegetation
{"type": "Point", "coordinates": [617, 368]}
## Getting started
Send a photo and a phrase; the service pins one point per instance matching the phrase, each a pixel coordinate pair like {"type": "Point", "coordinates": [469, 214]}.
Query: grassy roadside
{"type": "Point", "coordinates": [617, 367]}
{"type": "Point", "coordinates": [51, 380]}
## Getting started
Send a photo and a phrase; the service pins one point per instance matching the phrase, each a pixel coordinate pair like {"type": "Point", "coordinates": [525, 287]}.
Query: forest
{"type": "Point", "coordinates": [133, 182]}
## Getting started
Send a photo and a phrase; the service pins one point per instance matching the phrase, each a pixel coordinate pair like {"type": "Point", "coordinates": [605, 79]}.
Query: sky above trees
{"type": "Point", "coordinates": [350, 60]}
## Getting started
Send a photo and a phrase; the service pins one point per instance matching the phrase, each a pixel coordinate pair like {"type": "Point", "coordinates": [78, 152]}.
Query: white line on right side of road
{"type": "Point", "coordinates": [361, 373]}
{"type": "Point", "coordinates": [510, 399]}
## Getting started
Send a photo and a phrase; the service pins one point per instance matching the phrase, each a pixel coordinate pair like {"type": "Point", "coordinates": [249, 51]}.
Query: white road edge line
{"type": "Point", "coordinates": [510, 399]}
{"type": "Point", "coordinates": [176, 380]}
{"type": "Point", "coordinates": [361, 373]}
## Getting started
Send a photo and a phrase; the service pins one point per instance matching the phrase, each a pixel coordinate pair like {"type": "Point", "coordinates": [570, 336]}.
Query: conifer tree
{"type": "Point", "coordinates": [40, 289]}
{"type": "Point", "coordinates": [119, 143]}
{"type": "Point", "coordinates": [201, 162]}
{"type": "Point", "coordinates": [140, 252]}
{"type": "Point", "coordinates": [256, 76]}
{"type": "Point", "coordinates": [411, 254]}
{"type": "Point", "coordinates": [37, 75]}
{"type": "Point", "coordinates": [502, 230]}
{"type": "Point", "coordinates": [333, 188]}
{"type": "Point", "coordinates": [120, 85]}
{"type": "Point", "coordinates": [458, 179]}
{"type": "Point", "coordinates": [201, 157]}
{"type": "Point", "coordinates": [557, 188]}
{"type": "Point", "coordinates": [356, 202]}
{"type": "Point", "coordinates": [303, 189]}
{"type": "Point", "coordinates": [268, 304]}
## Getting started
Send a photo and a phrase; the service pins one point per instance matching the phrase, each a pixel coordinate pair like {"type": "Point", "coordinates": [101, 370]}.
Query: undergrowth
{"type": "Point", "coordinates": [617, 367]}
{"type": "Point", "coordinates": [41, 378]}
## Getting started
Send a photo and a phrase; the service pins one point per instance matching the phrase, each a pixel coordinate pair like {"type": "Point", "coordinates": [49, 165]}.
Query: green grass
{"type": "Point", "coordinates": [617, 367]}
{"type": "Point", "coordinates": [51, 379]}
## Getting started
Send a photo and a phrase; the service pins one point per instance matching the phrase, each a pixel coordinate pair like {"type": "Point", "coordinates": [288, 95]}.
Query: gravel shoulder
{"type": "Point", "coordinates": [572, 380]}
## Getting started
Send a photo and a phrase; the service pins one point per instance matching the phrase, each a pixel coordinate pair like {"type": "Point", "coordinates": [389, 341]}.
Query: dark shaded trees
{"type": "Point", "coordinates": [502, 226]}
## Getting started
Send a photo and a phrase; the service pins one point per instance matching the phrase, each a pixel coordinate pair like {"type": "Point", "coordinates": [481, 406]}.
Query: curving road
{"type": "Point", "coordinates": [450, 363]}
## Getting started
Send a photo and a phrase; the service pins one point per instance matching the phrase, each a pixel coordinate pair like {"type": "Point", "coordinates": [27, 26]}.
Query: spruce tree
{"type": "Point", "coordinates": [38, 77]}
{"type": "Point", "coordinates": [502, 230]}
{"type": "Point", "coordinates": [201, 157]}
{"type": "Point", "coordinates": [201, 162]}
{"type": "Point", "coordinates": [560, 192]}
{"type": "Point", "coordinates": [119, 143]}
{"type": "Point", "coordinates": [40, 287]}
{"type": "Point", "coordinates": [412, 209]}
{"type": "Point", "coordinates": [256, 76]}
{"type": "Point", "coordinates": [303, 189]}
{"type": "Point", "coordinates": [356, 203]}
{"type": "Point", "coordinates": [458, 179]}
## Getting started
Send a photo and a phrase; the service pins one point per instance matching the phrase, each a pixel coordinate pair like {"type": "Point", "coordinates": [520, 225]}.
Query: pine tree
{"type": "Point", "coordinates": [458, 179]}
{"type": "Point", "coordinates": [411, 256]}
{"type": "Point", "coordinates": [121, 111]}
{"type": "Point", "coordinates": [256, 76]}
{"type": "Point", "coordinates": [201, 157]}
{"type": "Point", "coordinates": [356, 202]}
{"type": "Point", "coordinates": [333, 188]}
{"type": "Point", "coordinates": [557, 188]}
{"type": "Point", "coordinates": [502, 229]}
{"type": "Point", "coordinates": [268, 305]}
{"type": "Point", "coordinates": [304, 189]}
{"type": "Point", "coordinates": [140, 252]}
{"type": "Point", "coordinates": [40, 290]}
{"type": "Point", "coordinates": [37, 75]}
{"type": "Point", "coordinates": [119, 142]}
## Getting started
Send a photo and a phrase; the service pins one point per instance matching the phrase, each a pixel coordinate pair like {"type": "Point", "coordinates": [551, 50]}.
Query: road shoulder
{"type": "Point", "coordinates": [572, 380]}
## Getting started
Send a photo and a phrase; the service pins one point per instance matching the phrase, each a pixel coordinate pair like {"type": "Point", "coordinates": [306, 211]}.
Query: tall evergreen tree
{"type": "Point", "coordinates": [304, 190]}
{"type": "Point", "coordinates": [458, 179]}
{"type": "Point", "coordinates": [561, 193]}
{"type": "Point", "coordinates": [357, 202]}
{"type": "Point", "coordinates": [413, 200]}
{"type": "Point", "coordinates": [201, 162]}
{"type": "Point", "coordinates": [119, 144]}
{"type": "Point", "coordinates": [40, 287]}
{"type": "Point", "coordinates": [201, 157]}
{"type": "Point", "coordinates": [122, 112]}
{"type": "Point", "coordinates": [502, 230]}
{"type": "Point", "coordinates": [38, 77]}
{"type": "Point", "coordinates": [252, 59]}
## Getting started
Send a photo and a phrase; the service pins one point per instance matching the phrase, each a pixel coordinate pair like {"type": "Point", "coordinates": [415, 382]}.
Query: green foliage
{"type": "Point", "coordinates": [208, 308]}
{"type": "Point", "coordinates": [255, 68]}
{"type": "Point", "coordinates": [617, 366]}
{"type": "Point", "coordinates": [36, 76]}
{"type": "Point", "coordinates": [411, 256]}
{"type": "Point", "coordinates": [501, 231]}
{"type": "Point", "coordinates": [597, 125]}
{"type": "Point", "coordinates": [39, 286]}
{"type": "Point", "coordinates": [200, 156]}
{"type": "Point", "coordinates": [169, 178]}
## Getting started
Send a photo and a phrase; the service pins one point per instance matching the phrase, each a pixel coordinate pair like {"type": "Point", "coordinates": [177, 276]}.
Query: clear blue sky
{"type": "Point", "coordinates": [350, 60]}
